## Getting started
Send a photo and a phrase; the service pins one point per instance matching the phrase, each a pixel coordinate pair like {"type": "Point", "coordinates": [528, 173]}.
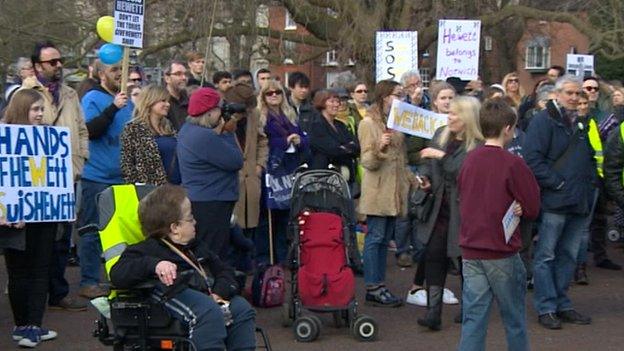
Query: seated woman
{"type": "Point", "coordinates": [168, 223]}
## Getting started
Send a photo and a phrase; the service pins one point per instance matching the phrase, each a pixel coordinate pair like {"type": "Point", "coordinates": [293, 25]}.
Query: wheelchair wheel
{"type": "Point", "coordinates": [306, 329]}
{"type": "Point", "coordinates": [364, 328]}
{"type": "Point", "coordinates": [613, 235]}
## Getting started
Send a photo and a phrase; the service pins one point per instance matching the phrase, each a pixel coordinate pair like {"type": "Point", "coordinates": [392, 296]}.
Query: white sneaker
{"type": "Point", "coordinates": [417, 297]}
{"type": "Point", "coordinates": [449, 298]}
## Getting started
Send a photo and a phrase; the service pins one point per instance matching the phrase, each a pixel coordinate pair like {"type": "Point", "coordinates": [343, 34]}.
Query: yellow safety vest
{"type": "Point", "coordinates": [124, 227]}
{"type": "Point", "coordinates": [596, 144]}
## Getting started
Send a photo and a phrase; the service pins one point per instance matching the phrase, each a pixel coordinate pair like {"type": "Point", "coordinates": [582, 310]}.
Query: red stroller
{"type": "Point", "coordinates": [322, 226]}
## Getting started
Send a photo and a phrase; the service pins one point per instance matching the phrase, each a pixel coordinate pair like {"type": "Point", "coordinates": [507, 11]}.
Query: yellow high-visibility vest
{"type": "Point", "coordinates": [596, 144]}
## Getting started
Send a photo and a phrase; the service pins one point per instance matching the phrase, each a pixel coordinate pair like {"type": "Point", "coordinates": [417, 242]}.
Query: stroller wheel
{"type": "Point", "coordinates": [306, 329]}
{"type": "Point", "coordinates": [364, 328]}
{"type": "Point", "coordinates": [318, 322]}
{"type": "Point", "coordinates": [613, 235]}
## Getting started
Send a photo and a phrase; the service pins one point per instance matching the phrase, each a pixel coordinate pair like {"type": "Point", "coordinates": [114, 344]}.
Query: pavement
{"type": "Point", "coordinates": [602, 299]}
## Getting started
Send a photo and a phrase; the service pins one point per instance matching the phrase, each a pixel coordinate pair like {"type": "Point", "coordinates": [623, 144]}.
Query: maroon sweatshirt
{"type": "Point", "coordinates": [490, 179]}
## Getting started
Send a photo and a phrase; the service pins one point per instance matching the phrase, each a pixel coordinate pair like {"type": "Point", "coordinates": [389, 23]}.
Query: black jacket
{"type": "Point", "coordinates": [614, 166]}
{"type": "Point", "coordinates": [178, 110]}
{"type": "Point", "coordinates": [306, 114]}
{"type": "Point", "coordinates": [138, 263]}
{"type": "Point", "coordinates": [568, 184]}
{"type": "Point", "coordinates": [332, 146]}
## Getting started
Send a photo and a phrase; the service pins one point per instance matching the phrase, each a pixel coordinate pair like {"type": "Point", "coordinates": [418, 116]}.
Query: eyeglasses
{"type": "Point", "coordinates": [591, 88]}
{"type": "Point", "coordinates": [53, 62]}
{"type": "Point", "coordinates": [273, 93]}
{"type": "Point", "coordinates": [360, 91]}
{"type": "Point", "coordinates": [177, 74]}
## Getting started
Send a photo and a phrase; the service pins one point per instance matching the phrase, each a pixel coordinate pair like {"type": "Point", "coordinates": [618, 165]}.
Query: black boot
{"type": "Point", "coordinates": [432, 319]}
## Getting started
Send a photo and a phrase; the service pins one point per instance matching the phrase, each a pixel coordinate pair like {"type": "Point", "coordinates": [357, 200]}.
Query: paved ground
{"type": "Point", "coordinates": [603, 299]}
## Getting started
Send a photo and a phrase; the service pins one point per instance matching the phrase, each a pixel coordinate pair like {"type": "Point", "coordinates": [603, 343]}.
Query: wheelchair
{"type": "Point", "coordinates": [135, 320]}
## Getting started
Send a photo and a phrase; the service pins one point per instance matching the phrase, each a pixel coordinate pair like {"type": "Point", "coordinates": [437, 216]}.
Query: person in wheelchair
{"type": "Point", "coordinates": [217, 317]}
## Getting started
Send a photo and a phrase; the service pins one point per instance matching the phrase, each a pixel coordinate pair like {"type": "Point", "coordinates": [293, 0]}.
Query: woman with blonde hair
{"type": "Point", "coordinates": [288, 149]}
{"type": "Point", "coordinates": [440, 231]}
{"type": "Point", "coordinates": [513, 89]}
{"type": "Point", "coordinates": [148, 141]}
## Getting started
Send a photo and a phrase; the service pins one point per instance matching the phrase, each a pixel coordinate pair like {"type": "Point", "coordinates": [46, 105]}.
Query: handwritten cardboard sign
{"type": "Point", "coordinates": [36, 179]}
{"type": "Point", "coordinates": [580, 65]}
{"type": "Point", "coordinates": [129, 22]}
{"type": "Point", "coordinates": [458, 49]}
{"type": "Point", "coordinates": [396, 53]}
{"type": "Point", "coordinates": [414, 120]}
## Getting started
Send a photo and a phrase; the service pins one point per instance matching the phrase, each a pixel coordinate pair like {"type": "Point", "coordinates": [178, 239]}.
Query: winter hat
{"type": "Point", "coordinates": [202, 101]}
{"type": "Point", "coordinates": [241, 94]}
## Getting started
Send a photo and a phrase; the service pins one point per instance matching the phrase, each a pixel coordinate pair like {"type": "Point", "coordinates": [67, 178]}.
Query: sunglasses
{"type": "Point", "coordinates": [136, 79]}
{"type": "Point", "coordinates": [54, 61]}
{"type": "Point", "coordinates": [360, 91]}
{"type": "Point", "coordinates": [513, 80]}
{"type": "Point", "coordinates": [591, 88]}
{"type": "Point", "coordinates": [273, 93]}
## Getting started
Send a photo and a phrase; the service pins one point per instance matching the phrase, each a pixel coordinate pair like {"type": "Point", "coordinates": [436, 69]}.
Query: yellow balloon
{"type": "Point", "coordinates": [105, 28]}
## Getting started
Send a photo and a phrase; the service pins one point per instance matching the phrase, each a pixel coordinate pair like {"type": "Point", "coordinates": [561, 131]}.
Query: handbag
{"type": "Point", "coordinates": [420, 205]}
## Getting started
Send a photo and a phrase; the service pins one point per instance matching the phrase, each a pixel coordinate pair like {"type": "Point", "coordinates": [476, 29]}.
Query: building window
{"type": "Point", "coordinates": [290, 23]}
{"type": "Point", "coordinates": [331, 58]}
{"type": "Point", "coordinates": [425, 76]}
{"type": "Point", "coordinates": [538, 54]}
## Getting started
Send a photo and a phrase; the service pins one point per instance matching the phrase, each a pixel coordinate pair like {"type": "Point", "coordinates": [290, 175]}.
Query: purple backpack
{"type": "Point", "coordinates": [268, 287]}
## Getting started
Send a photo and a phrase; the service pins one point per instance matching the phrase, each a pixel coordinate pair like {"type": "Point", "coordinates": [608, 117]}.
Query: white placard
{"type": "Point", "coordinates": [36, 179]}
{"type": "Point", "coordinates": [396, 53]}
{"type": "Point", "coordinates": [510, 222]}
{"type": "Point", "coordinates": [129, 23]}
{"type": "Point", "coordinates": [458, 49]}
{"type": "Point", "coordinates": [580, 65]}
{"type": "Point", "coordinates": [414, 120]}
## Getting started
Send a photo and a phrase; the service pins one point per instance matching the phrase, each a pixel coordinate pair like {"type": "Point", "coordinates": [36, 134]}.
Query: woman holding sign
{"type": "Point", "coordinates": [288, 149]}
{"type": "Point", "coordinates": [440, 231]}
{"type": "Point", "coordinates": [27, 247]}
{"type": "Point", "coordinates": [148, 141]}
{"type": "Point", "coordinates": [385, 184]}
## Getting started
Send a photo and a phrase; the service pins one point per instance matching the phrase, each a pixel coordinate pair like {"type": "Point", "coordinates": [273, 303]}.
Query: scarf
{"type": "Point", "coordinates": [52, 86]}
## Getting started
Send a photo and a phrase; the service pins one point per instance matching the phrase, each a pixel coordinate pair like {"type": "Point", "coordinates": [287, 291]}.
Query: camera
{"type": "Point", "coordinates": [228, 109]}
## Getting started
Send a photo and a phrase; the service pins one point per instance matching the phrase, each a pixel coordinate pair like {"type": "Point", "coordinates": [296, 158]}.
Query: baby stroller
{"type": "Point", "coordinates": [138, 322]}
{"type": "Point", "coordinates": [321, 226]}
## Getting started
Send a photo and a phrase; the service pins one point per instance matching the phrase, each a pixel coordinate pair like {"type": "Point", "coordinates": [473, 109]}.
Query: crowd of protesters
{"type": "Point", "coordinates": [229, 140]}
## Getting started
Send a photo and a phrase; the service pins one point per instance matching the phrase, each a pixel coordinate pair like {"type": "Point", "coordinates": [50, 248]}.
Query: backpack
{"type": "Point", "coordinates": [268, 286]}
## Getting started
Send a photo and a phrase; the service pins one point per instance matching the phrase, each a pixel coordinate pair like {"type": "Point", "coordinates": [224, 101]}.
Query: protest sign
{"type": "Point", "coordinates": [458, 49]}
{"type": "Point", "coordinates": [36, 179]}
{"type": "Point", "coordinates": [396, 53]}
{"type": "Point", "coordinates": [128, 16]}
{"type": "Point", "coordinates": [580, 65]}
{"type": "Point", "coordinates": [414, 120]}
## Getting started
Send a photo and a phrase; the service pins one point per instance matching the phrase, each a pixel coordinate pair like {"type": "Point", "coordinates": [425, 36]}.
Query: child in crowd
{"type": "Point", "coordinates": [492, 268]}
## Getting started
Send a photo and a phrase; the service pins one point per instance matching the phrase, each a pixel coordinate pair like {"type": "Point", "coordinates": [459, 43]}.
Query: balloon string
{"type": "Point", "coordinates": [208, 46]}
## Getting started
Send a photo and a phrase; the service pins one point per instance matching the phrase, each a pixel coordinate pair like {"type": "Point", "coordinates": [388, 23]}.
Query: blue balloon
{"type": "Point", "coordinates": [110, 54]}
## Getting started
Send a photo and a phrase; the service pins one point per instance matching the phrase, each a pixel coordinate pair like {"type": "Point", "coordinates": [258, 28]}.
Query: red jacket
{"type": "Point", "coordinates": [491, 178]}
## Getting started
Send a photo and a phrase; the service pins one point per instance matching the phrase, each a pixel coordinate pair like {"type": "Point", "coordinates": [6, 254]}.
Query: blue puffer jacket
{"type": "Point", "coordinates": [569, 187]}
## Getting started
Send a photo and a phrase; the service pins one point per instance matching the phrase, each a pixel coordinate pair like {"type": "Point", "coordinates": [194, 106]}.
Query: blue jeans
{"type": "Point", "coordinates": [486, 280]}
{"type": "Point", "coordinates": [204, 318]}
{"type": "Point", "coordinates": [380, 230]}
{"type": "Point", "coordinates": [584, 246]}
{"type": "Point", "coordinates": [89, 246]}
{"type": "Point", "coordinates": [554, 260]}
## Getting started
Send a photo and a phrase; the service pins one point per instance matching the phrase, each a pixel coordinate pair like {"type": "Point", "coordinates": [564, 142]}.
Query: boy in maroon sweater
{"type": "Point", "coordinates": [490, 180]}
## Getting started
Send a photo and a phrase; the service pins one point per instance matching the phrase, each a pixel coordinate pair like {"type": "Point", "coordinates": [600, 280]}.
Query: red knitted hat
{"type": "Point", "coordinates": [202, 101]}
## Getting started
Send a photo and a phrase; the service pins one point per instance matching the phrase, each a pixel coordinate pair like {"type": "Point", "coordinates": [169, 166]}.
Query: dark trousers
{"type": "Point", "coordinates": [29, 272]}
{"type": "Point", "coordinates": [436, 258]}
{"type": "Point", "coordinates": [59, 288]}
{"type": "Point", "coordinates": [213, 225]}
{"type": "Point", "coordinates": [280, 241]}
{"type": "Point", "coordinates": [598, 228]}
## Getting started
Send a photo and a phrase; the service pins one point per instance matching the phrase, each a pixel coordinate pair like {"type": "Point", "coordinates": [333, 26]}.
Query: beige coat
{"type": "Point", "coordinates": [68, 114]}
{"type": "Point", "coordinates": [386, 178]}
{"type": "Point", "coordinates": [256, 152]}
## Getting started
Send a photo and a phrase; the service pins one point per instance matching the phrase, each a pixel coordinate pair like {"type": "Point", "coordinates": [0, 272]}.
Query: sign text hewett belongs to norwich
{"type": "Point", "coordinates": [129, 22]}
